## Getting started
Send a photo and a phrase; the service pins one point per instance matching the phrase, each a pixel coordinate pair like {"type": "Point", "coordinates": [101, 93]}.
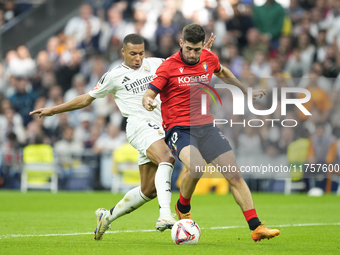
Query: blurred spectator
{"type": "Point", "coordinates": [5, 105]}
{"type": "Point", "coordinates": [82, 131]}
{"type": "Point", "coordinates": [116, 24]}
{"type": "Point", "coordinates": [319, 99]}
{"type": "Point", "coordinates": [9, 10]}
{"type": "Point", "coordinates": [322, 149]}
{"type": "Point", "coordinates": [260, 66]}
{"type": "Point", "coordinates": [235, 60]}
{"type": "Point", "coordinates": [35, 129]}
{"type": "Point", "coordinates": [321, 47]}
{"type": "Point", "coordinates": [322, 82]}
{"type": "Point", "coordinates": [280, 146]}
{"type": "Point", "coordinates": [83, 25]}
{"type": "Point", "coordinates": [330, 65]}
{"type": "Point", "coordinates": [68, 150]}
{"type": "Point", "coordinates": [54, 98]}
{"type": "Point", "coordinates": [276, 79]}
{"type": "Point", "coordinates": [53, 49]}
{"type": "Point", "coordinates": [336, 86]}
{"type": "Point", "coordinates": [94, 135]}
{"type": "Point", "coordinates": [249, 142]}
{"type": "Point", "coordinates": [69, 45]}
{"type": "Point", "coordinates": [295, 11]}
{"type": "Point", "coordinates": [99, 6]}
{"type": "Point", "coordinates": [166, 26]}
{"type": "Point", "coordinates": [10, 124]}
{"type": "Point", "coordinates": [220, 19]}
{"type": "Point", "coordinates": [284, 51]}
{"type": "Point", "coordinates": [110, 140]}
{"type": "Point", "coordinates": [166, 46]}
{"type": "Point", "coordinates": [23, 99]}
{"type": "Point", "coordinates": [78, 87]}
{"type": "Point", "coordinates": [269, 19]}
{"type": "Point", "coordinates": [254, 45]}
{"type": "Point", "coordinates": [315, 23]}
{"type": "Point", "coordinates": [96, 68]}
{"type": "Point", "coordinates": [2, 18]}
{"type": "Point", "coordinates": [141, 25]}
{"type": "Point", "coordinates": [21, 64]}
{"type": "Point", "coordinates": [178, 17]}
{"type": "Point", "coordinates": [45, 76]}
{"type": "Point", "coordinates": [295, 65]}
{"type": "Point", "coordinates": [239, 25]}
{"type": "Point", "coordinates": [57, 133]}
{"type": "Point", "coordinates": [100, 124]}
{"type": "Point", "coordinates": [2, 79]}
{"type": "Point", "coordinates": [11, 151]}
{"type": "Point", "coordinates": [191, 8]}
{"type": "Point", "coordinates": [332, 23]}
{"type": "Point", "coordinates": [306, 49]}
{"type": "Point", "coordinates": [66, 72]}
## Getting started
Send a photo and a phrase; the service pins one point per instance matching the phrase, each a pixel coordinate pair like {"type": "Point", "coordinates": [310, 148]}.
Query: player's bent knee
{"type": "Point", "coordinates": [149, 192]}
{"type": "Point", "coordinates": [168, 158]}
{"type": "Point", "coordinates": [235, 181]}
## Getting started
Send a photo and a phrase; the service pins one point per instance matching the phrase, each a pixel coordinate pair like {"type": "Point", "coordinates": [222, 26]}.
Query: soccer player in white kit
{"type": "Point", "coordinates": [128, 83]}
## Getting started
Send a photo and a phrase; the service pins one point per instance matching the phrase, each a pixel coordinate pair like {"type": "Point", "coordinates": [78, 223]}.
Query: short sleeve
{"type": "Point", "coordinates": [216, 64]}
{"type": "Point", "coordinates": [103, 86]}
{"type": "Point", "coordinates": [161, 77]}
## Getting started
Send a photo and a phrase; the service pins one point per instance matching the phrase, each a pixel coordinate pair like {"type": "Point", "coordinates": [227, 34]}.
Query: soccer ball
{"type": "Point", "coordinates": [185, 232]}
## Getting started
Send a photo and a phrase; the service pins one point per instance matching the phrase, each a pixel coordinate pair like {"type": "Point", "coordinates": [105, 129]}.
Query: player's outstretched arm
{"type": "Point", "coordinates": [77, 103]}
{"type": "Point", "coordinates": [149, 100]}
{"type": "Point", "coordinates": [210, 42]}
{"type": "Point", "coordinates": [229, 78]}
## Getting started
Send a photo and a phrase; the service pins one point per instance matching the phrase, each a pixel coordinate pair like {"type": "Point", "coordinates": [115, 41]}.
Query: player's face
{"type": "Point", "coordinates": [133, 55]}
{"type": "Point", "coordinates": [191, 52]}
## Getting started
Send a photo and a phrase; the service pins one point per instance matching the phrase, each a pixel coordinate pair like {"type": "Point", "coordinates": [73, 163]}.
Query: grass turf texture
{"type": "Point", "coordinates": [42, 213]}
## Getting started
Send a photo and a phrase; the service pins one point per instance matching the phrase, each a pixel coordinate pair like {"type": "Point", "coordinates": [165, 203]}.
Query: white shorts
{"type": "Point", "coordinates": [141, 134]}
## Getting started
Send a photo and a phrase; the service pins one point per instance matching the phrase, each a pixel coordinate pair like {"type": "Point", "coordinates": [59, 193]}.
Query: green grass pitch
{"type": "Point", "coordinates": [44, 223]}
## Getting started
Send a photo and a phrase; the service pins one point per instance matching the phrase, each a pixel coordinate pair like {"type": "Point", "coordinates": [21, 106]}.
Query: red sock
{"type": "Point", "coordinates": [183, 200]}
{"type": "Point", "coordinates": [250, 214]}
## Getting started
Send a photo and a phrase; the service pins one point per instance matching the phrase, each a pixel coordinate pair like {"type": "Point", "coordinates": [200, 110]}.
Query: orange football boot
{"type": "Point", "coordinates": [262, 232]}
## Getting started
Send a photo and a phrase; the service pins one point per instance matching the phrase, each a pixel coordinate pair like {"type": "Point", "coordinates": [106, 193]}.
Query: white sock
{"type": "Point", "coordinates": [163, 187]}
{"type": "Point", "coordinates": [132, 200]}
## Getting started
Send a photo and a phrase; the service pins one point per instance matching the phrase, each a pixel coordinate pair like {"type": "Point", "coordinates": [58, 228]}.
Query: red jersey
{"type": "Point", "coordinates": [179, 86]}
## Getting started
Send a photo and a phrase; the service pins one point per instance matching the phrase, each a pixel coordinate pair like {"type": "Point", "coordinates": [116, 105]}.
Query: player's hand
{"type": "Point", "coordinates": [210, 42]}
{"type": "Point", "coordinates": [43, 112]}
{"type": "Point", "coordinates": [259, 93]}
{"type": "Point", "coordinates": [150, 104]}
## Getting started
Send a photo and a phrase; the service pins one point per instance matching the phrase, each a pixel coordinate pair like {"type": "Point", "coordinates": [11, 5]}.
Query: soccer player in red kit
{"type": "Point", "coordinates": [191, 136]}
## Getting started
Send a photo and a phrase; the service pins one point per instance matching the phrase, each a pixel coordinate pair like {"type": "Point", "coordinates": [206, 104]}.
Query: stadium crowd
{"type": "Point", "coordinates": [265, 46]}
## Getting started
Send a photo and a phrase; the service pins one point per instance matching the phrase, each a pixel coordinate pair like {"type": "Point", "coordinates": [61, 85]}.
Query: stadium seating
{"type": "Point", "coordinates": [125, 168]}
{"type": "Point", "coordinates": [39, 171]}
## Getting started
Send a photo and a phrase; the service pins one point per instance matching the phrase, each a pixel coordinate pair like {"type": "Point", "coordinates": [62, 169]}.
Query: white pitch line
{"type": "Point", "coordinates": [152, 230]}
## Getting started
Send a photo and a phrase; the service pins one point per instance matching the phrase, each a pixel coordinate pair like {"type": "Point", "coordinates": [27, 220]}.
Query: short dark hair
{"type": "Point", "coordinates": [133, 39]}
{"type": "Point", "coordinates": [193, 33]}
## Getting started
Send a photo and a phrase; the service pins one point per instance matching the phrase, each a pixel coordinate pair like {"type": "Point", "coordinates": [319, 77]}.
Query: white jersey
{"type": "Point", "coordinates": [128, 86]}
